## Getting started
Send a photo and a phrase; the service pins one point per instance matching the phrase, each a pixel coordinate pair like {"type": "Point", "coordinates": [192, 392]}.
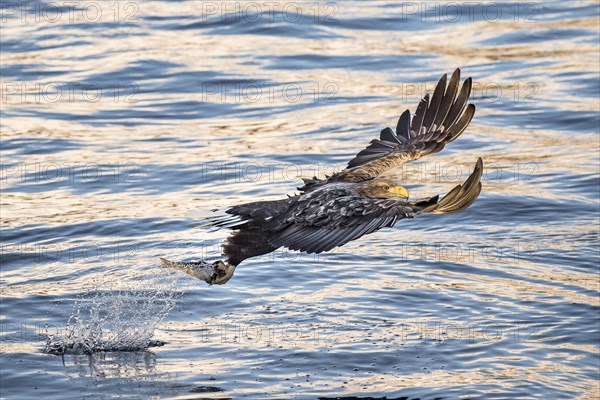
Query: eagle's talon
{"type": "Point", "coordinates": [223, 273]}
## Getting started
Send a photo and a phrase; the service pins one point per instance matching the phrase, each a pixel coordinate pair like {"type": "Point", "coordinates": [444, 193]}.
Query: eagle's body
{"type": "Point", "coordinates": [354, 202]}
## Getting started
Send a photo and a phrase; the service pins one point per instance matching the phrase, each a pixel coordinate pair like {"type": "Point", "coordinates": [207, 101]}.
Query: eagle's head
{"type": "Point", "coordinates": [382, 189]}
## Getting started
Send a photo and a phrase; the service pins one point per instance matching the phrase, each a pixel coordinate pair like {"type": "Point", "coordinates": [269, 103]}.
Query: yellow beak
{"type": "Point", "coordinates": [401, 192]}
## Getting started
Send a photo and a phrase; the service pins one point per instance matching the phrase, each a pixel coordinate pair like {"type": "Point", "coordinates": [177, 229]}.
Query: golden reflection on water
{"type": "Point", "coordinates": [323, 137]}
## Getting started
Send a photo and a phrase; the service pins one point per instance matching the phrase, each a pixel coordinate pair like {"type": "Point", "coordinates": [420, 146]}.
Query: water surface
{"type": "Point", "coordinates": [123, 122]}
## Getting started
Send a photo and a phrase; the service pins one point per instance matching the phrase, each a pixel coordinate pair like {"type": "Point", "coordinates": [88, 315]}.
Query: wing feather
{"type": "Point", "coordinates": [436, 123]}
{"type": "Point", "coordinates": [388, 135]}
{"type": "Point", "coordinates": [403, 127]}
{"type": "Point", "coordinates": [304, 231]}
{"type": "Point", "coordinates": [434, 107]}
{"type": "Point", "coordinates": [461, 196]}
{"type": "Point", "coordinates": [417, 121]}
{"type": "Point", "coordinates": [460, 125]}
{"type": "Point", "coordinates": [459, 105]}
{"type": "Point", "coordinates": [448, 99]}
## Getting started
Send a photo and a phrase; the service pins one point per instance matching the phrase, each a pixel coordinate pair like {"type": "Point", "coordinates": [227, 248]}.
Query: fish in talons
{"type": "Point", "coordinates": [216, 273]}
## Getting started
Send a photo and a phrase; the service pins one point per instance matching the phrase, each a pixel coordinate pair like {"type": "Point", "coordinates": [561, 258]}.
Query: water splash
{"type": "Point", "coordinates": [119, 319]}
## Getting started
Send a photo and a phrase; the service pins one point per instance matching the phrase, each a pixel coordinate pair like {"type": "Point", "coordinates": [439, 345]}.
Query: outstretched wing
{"type": "Point", "coordinates": [436, 122]}
{"type": "Point", "coordinates": [461, 196]}
{"type": "Point", "coordinates": [323, 223]}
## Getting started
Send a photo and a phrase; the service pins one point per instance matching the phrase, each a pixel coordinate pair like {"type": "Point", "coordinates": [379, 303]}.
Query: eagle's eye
{"type": "Point", "coordinates": [386, 188]}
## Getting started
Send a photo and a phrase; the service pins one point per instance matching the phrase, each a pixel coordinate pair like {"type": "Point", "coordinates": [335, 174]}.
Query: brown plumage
{"type": "Point", "coordinates": [354, 202]}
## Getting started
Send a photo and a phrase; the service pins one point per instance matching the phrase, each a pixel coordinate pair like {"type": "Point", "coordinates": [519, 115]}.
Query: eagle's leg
{"type": "Point", "coordinates": [217, 272]}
